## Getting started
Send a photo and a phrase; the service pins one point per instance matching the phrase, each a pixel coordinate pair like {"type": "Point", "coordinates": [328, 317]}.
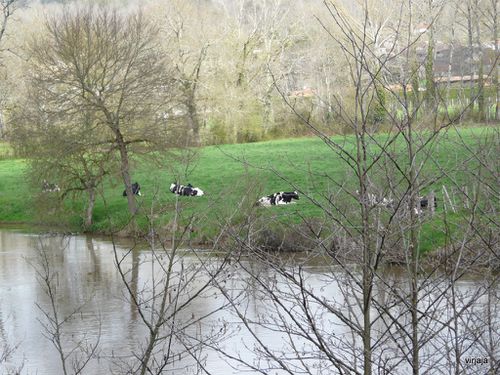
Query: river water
{"type": "Point", "coordinates": [89, 289]}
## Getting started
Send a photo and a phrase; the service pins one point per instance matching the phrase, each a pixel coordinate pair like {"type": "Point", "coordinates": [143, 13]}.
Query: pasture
{"type": "Point", "coordinates": [233, 177]}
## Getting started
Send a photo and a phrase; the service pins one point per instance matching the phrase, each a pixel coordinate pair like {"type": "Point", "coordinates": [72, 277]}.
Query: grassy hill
{"type": "Point", "coordinates": [227, 174]}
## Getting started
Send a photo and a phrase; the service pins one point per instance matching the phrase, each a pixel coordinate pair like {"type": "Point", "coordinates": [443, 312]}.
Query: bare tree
{"type": "Point", "coordinates": [189, 48]}
{"type": "Point", "coordinates": [391, 325]}
{"type": "Point", "coordinates": [6, 352]}
{"type": "Point", "coordinates": [491, 20]}
{"type": "Point", "coordinates": [180, 276]}
{"type": "Point", "coordinates": [74, 356]}
{"type": "Point", "coordinates": [255, 37]}
{"type": "Point", "coordinates": [7, 8]}
{"type": "Point", "coordinates": [110, 64]}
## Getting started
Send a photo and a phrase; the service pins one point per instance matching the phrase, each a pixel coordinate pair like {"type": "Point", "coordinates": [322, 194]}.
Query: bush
{"type": "Point", "coordinates": [215, 132]}
{"type": "Point", "coordinates": [6, 151]}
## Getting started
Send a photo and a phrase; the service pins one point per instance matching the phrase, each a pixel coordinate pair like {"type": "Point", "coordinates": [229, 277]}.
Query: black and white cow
{"type": "Point", "coordinates": [283, 197]}
{"type": "Point", "coordinates": [375, 201]}
{"type": "Point", "coordinates": [50, 188]}
{"type": "Point", "coordinates": [423, 204]}
{"type": "Point", "coordinates": [186, 190]}
{"type": "Point", "coordinates": [136, 189]}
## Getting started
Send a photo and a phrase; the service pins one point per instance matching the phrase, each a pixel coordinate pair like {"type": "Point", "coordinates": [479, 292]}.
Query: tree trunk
{"type": "Point", "coordinates": [480, 80]}
{"type": "Point", "coordinates": [480, 95]}
{"type": "Point", "coordinates": [495, 70]}
{"type": "Point", "coordinates": [125, 172]}
{"type": "Point", "coordinates": [367, 282]}
{"type": "Point", "coordinates": [413, 252]}
{"type": "Point", "coordinates": [415, 96]}
{"type": "Point", "coordinates": [194, 124]}
{"type": "Point", "coordinates": [2, 126]}
{"type": "Point", "coordinates": [430, 89]}
{"type": "Point", "coordinates": [471, 54]}
{"type": "Point", "coordinates": [90, 207]}
{"type": "Point", "coordinates": [367, 300]}
{"type": "Point", "coordinates": [367, 246]}
{"type": "Point", "coordinates": [267, 110]}
{"type": "Point", "coordinates": [450, 59]}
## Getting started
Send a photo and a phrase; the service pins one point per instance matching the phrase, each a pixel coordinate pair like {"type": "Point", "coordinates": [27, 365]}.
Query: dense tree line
{"type": "Point", "coordinates": [228, 57]}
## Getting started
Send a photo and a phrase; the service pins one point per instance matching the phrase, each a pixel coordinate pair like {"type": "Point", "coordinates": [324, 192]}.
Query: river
{"type": "Point", "coordinates": [90, 290]}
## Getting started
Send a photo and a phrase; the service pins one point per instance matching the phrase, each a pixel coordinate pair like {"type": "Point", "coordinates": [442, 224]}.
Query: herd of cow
{"type": "Point", "coordinates": [191, 191]}
{"type": "Point", "coordinates": [287, 197]}
{"type": "Point", "coordinates": [185, 190]}
{"type": "Point", "coordinates": [422, 203]}
{"type": "Point", "coordinates": [275, 199]}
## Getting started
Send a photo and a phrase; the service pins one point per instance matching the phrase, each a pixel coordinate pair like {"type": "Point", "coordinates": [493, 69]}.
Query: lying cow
{"type": "Point", "coordinates": [280, 198]}
{"type": "Point", "coordinates": [136, 189]}
{"type": "Point", "coordinates": [50, 188]}
{"type": "Point", "coordinates": [187, 190]}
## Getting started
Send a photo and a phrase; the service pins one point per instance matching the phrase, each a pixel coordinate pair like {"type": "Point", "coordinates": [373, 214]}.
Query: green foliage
{"type": "Point", "coordinates": [6, 151]}
{"type": "Point", "coordinates": [245, 124]}
{"type": "Point", "coordinates": [250, 128]}
{"type": "Point", "coordinates": [215, 132]}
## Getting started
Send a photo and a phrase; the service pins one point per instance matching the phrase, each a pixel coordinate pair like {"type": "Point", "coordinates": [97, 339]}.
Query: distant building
{"type": "Point", "coordinates": [458, 61]}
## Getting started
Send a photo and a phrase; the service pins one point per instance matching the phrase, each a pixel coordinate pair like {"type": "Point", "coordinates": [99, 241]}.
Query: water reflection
{"type": "Point", "coordinates": [87, 277]}
{"type": "Point", "coordinates": [86, 281]}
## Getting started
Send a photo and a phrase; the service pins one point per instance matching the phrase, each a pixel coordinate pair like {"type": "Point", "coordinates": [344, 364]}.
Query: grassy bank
{"type": "Point", "coordinates": [226, 174]}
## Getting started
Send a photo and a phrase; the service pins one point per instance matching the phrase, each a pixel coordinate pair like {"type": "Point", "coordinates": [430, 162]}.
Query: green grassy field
{"type": "Point", "coordinates": [226, 174]}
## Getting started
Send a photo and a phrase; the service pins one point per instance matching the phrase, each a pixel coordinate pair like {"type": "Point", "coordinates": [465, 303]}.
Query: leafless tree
{"type": "Point", "coordinates": [491, 20]}
{"type": "Point", "coordinates": [75, 353]}
{"type": "Point", "coordinates": [6, 352]}
{"type": "Point", "coordinates": [175, 338]}
{"type": "Point", "coordinates": [107, 63]}
{"type": "Point", "coordinates": [391, 326]}
{"type": "Point", "coordinates": [7, 8]}
{"type": "Point", "coordinates": [189, 48]}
